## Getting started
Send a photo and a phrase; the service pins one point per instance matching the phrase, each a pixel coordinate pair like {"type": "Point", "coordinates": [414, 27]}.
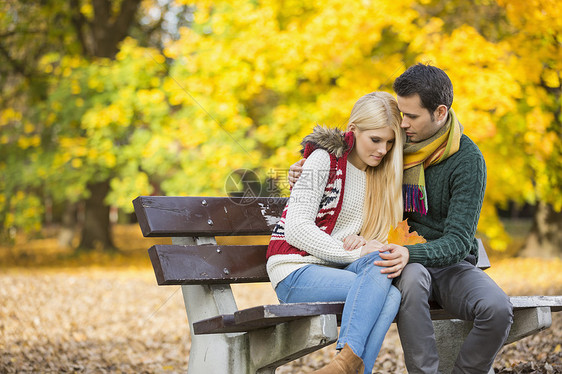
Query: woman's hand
{"type": "Point", "coordinates": [295, 171]}
{"type": "Point", "coordinates": [371, 246]}
{"type": "Point", "coordinates": [395, 257]}
{"type": "Point", "coordinates": [353, 242]}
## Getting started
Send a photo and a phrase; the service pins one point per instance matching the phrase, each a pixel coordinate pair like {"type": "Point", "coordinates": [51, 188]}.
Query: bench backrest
{"type": "Point", "coordinates": [189, 216]}
{"type": "Point", "coordinates": [164, 216]}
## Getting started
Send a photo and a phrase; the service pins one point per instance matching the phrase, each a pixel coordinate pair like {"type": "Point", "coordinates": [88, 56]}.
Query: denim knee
{"type": "Point", "coordinates": [369, 258]}
{"type": "Point", "coordinates": [394, 293]}
{"type": "Point", "coordinates": [394, 296]}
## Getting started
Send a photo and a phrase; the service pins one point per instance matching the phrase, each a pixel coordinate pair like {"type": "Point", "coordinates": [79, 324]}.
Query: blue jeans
{"type": "Point", "coordinates": [371, 302]}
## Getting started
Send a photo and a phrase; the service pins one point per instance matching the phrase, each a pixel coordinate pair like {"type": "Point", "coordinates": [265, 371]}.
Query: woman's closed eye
{"type": "Point", "coordinates": [378, 140]}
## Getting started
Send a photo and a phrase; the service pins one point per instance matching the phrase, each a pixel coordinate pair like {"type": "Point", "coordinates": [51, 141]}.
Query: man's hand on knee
{"type": "Point", "coordinates": [394, 259]}
{"type": "Point", "coordinates": [295, 171]}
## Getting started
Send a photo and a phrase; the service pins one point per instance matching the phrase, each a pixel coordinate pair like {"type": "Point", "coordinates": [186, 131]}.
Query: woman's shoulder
{"type": "Point", "coordinates": [331, 139]}
{"type": "Point", "coordinates": [317, 159]}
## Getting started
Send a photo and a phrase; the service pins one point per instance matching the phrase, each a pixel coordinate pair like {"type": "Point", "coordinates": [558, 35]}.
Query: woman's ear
{"type": "Point", "coordinates": [351, 127]}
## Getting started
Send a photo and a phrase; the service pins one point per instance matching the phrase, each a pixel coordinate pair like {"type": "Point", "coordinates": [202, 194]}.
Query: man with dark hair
{"type": "Point", "coordinates": [443, 185]}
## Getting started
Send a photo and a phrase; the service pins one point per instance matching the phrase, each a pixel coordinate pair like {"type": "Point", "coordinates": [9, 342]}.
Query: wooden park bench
{"type": "Point", "coordinates": [259, 339]}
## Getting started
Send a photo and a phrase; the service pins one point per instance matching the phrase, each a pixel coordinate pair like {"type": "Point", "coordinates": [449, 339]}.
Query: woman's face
{"type": "Point", "coordinates": [370, 146]}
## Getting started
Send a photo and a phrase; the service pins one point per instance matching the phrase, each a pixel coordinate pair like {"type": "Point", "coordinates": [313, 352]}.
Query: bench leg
{"type": "Point", "coordinates": [213, 353]}
{"type": "Point", "coordinates": [450, 334]}
{"type": "Point", "coordinates": [272, 347]}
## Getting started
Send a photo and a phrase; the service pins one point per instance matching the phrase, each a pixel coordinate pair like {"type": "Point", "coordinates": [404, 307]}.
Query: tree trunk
{"type": "Point", "coordinates": [545, 237]}
{"type": "Point", "coordinates": [68, 228]}
{"type": "Point", "coordinates": [96, 231]}
{"type": "Point", "coordinates": [101, 38]}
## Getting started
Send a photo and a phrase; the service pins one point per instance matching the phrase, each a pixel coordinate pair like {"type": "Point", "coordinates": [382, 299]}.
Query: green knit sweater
{"type": "Point", "coordinates": [455, 191]}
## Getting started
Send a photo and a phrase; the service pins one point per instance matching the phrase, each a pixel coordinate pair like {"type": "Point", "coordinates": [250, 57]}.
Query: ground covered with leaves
{"type": "Point", "coordinates": [105, 314]}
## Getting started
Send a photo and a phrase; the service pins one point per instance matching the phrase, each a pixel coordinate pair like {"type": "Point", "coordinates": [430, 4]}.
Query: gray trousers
{"type": "Point", "coordinates": [467, 293]}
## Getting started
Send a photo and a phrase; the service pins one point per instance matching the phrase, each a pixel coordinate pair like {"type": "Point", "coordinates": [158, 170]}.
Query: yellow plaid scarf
{"type": "Point", "coordinates": [418, 156]}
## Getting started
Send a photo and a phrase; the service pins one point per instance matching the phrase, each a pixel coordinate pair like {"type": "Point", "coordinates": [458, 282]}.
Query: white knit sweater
{"type": "Point", "coordinates": [300, 228]}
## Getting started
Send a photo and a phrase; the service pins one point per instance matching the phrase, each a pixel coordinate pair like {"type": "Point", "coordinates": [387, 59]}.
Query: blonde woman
{"type": "Point", "coordinates": [326, 244]}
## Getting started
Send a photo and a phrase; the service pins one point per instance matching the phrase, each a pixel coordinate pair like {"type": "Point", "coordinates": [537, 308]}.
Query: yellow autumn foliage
{"type": "Point", "coordinates": [245, 81]}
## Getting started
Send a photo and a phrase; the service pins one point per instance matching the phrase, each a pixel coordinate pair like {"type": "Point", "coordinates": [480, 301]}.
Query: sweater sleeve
{"type": "Point", "coordinates": [467, 183]}
{"type": "Point", "coordinates": [300, 224]}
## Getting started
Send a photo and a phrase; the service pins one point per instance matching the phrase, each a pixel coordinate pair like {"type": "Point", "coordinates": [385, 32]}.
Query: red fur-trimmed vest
{"type": "Point", "coordinates": [338, 145]}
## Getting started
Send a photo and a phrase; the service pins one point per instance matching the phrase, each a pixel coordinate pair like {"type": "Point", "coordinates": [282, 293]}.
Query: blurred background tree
{"type": "Point", "coordinates": [68, 110]}
{"type": "Point", "coordinates": [107, 100]}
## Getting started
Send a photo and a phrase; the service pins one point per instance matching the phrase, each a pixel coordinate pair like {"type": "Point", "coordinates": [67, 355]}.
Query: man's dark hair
{"type": "Point", "coordinates": [431, 83]}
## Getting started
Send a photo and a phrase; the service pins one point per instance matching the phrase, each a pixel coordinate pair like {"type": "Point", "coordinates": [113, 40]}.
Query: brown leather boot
{"type": "Point", "coordinates": [345, 362]}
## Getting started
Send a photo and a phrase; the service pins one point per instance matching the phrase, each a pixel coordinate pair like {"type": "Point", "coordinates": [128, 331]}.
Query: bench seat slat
{"type": "Point", "coordinates": [279, 313]}
{"type": "Point", "coordinates": [208, 264]}
{"type": "Point", "coordinates": [270, 315]}
{"type": "Point", "coordinates": [522, 302]}
{"type": "Point", "coordinates": [265, 316]}
{"type": "Point", "coordinates": [220, 324]}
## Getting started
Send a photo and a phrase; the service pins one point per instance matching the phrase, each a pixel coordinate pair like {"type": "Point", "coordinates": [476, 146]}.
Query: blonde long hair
{"type": "Point", "coordinates": [383, 205]}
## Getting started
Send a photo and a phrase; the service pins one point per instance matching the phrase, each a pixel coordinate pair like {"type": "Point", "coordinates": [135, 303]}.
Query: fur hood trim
{"type": "Point", "coordinates": [332, 140]}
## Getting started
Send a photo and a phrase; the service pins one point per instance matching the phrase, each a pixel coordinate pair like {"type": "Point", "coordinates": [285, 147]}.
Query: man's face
{"type": "Point", "coordinates": [416, 120]}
